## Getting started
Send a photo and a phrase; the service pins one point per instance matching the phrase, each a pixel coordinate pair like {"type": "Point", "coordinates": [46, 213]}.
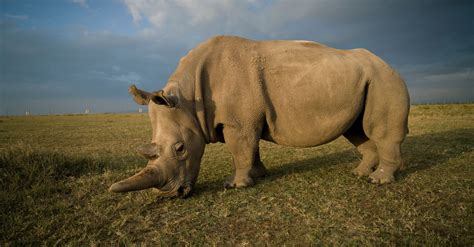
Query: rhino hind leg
{"type": "Point", "coordinates": [366, 148]}
{"type": "Point", "coordinates": [390, 162]}
{"type": "Point", "coordinates": [385, 121]}
{"type": "Point", "coordinates": [387, 128]}
{"type": "Point", "coordinates": [246, 158]}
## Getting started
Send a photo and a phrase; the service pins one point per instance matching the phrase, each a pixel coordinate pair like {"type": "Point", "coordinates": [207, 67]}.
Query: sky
{"type": "Point", "coordinates": [65, 56]}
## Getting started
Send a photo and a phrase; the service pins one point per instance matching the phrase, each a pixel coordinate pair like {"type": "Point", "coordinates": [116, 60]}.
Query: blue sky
{"type": "Point", "coordinates": [61, 56]}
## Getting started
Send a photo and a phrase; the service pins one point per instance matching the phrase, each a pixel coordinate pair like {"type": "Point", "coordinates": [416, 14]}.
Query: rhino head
{"type": "Point", "coordinates": [174, 154]}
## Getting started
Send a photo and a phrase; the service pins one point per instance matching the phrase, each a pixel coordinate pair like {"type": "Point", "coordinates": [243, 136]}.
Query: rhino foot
{"type": "Point", "coordinates": [362, 171]}
{"type": "Point", "coordinates": [380, 176]}
{"type": "Point", "coordinates": [233, 182]}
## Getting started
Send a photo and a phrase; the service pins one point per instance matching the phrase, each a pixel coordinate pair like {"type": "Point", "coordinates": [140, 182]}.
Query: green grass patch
{"type": "Point", "coordinates": [55, 171]}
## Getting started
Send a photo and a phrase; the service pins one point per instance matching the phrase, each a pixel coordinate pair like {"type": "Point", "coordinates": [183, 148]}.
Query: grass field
{"type": "Point", "coordinates": [55, 172]}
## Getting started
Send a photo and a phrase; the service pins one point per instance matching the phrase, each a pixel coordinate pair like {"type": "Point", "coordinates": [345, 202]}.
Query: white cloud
{"type": "Point", "coordinates": [115, 68]}
{"type": "Point", "coordinates": [464, 75]}
{"type": "Point", "coordinates": [82, 3]}
{"type": "Point", "coordinates": [184, 16]}
{"type": "Point", "coordinates": [178, 18]}
{"type": "Point", "coordinates": [17, 17]}
{"type": "Point", "coordinates": [130, 77]}
{"type": "Point", "coordinates": [184, 11]}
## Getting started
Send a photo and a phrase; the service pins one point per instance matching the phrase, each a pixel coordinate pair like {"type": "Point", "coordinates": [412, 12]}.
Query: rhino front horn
{"type": "Point", "coordinates": [146, 178]}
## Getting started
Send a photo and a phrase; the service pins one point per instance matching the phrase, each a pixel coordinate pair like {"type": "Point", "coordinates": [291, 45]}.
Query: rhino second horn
{"type": "Point", "coordinates": [146, 178]}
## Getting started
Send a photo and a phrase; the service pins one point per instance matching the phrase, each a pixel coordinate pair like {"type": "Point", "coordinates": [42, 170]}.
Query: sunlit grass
{"type": "Point", "coordinates": [55, 171]}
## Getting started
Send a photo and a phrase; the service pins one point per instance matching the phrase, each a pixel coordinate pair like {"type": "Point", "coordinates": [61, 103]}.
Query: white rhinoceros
{"type": "Point", "coordinates": [294, 93]}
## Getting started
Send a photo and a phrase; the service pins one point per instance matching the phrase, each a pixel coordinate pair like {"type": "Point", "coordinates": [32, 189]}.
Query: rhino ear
{"type": "Point", "coordinates": [160, 99]}
{"type": "Point", "coordinates": [149, 151]}
{"type": "Point", "coordinates": [140, 96]}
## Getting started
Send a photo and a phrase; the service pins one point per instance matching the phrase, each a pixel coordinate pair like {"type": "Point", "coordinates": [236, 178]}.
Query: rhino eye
{"type": "Point", "coordinates": [179, 149]}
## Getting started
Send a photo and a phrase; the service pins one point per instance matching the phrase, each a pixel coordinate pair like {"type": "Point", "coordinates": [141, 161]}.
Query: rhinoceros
{"type": "Point", "coordinates": [295, 93]}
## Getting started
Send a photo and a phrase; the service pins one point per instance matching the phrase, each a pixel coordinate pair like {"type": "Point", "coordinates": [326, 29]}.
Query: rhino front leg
{"type": "Point", "coordinates": [246, 158]}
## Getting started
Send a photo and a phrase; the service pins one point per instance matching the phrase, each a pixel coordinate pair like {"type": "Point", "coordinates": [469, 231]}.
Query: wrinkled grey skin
{"type": "Point", "coordinates": [294, 93]}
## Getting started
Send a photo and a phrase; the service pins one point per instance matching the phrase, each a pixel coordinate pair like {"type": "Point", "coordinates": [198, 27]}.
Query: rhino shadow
{"type": "Point", "coordinates": [420, 152]}
{"type": "Point", "coordinates": [429, 150]}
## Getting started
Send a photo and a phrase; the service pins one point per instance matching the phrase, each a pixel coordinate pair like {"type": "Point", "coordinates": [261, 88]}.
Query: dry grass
{"type": "Point", "coordinates": [55, 171]}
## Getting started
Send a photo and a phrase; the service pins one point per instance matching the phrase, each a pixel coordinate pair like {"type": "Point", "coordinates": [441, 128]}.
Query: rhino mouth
{"type": "Point", "coordinates": [180, 191]}
{"type": "Point", "coordinates": [174, 188]}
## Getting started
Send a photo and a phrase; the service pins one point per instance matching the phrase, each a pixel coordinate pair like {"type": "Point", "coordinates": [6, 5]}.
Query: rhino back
{"type": "Point", "coordinates": [314, 92]}
{"type": "Point", "coordinates": [300, 93]}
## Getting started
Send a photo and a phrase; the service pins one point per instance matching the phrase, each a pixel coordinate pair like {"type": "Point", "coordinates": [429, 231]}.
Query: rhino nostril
{"type": "Point", "coordinates": [183, 191]}
{"type": "Point", "coordinates": [180, 190]}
